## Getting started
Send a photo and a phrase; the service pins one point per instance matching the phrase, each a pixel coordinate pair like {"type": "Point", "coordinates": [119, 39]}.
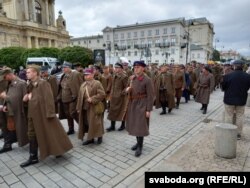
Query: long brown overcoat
{"type": "Point", "coordinates": [205, 86]}
{"type": "Point", "coordinates": [16, 91]}
{"type": "Point", "coordinates": [169, 83]}
{"type": "Point", "coordinates": [90, 119]}
{"type": "Point", "coordinates": [3, 87]}
{"type": "Point", "coordinates": [51, 136]}
{"type": "Point", "coordinates": [118, 97]}
{"type": "Point", "coordinates": [68, 89]}
{"type": "Point", "coordinates": [141, 99]}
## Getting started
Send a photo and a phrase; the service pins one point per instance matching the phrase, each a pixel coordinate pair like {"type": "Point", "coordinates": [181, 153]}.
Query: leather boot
{"type": "Point", "coordinates": [13, 138]}
{"type": "Point", "coordinates": [205, 109]}
{"type": "Point", "coordinates": [99, 140]}
{"type": "Point", "coordinates": [71, 126]}
{"type": "Point", "coordinates": [112, 126]}
{"type": "Point", "coordinates": [177, 103]}
{"type": "Point", "coordinates": [7, 142]}
{"type": "Point", "coordinates": [87, 142]}
{"type": "Point", "coordinates": [134, 147]}
{"type": "Point", "coordinates": [1, 135]}
{"type": "Point", "coordinates": [169, 110]}
{"type": "Point", "coordinates": [139, 147]}
{"type": "Point", "coordinates": [163, 110]}
{"type": "Point", "coordinates": [33, 159]}
{"type": "Point", "coordinates": [122, 127]}
{"type": "Point", "coordinates": [202, 108]}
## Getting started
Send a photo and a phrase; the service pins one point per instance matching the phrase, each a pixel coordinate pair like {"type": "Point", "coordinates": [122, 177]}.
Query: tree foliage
{"type": "Point", "coordinates": [76, 54]}
{"type": "Point", "coordinates": [216, 55]}
{"type": "Point", "coordinates": [11, 56]}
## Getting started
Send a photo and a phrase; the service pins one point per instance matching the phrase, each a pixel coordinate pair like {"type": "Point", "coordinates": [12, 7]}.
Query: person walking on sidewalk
{"type": "Point", "coordinates": [90, 94]}
{"type": "Point", "coordinates": [45, 131]}
{"type": "Point", "coordinates": [140, 104]}
{"type": "Point", "coordinates": [235, 86]}
{"type": "Point", "coordinates": [205, 86]}
{"type": "Point", "coordinates": [118, 98]}
{"type": "Point", "coordinates": [14, 110]}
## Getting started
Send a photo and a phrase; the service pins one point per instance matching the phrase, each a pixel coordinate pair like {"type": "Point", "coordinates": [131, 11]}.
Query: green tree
{"type": "Point", "coordinates": [76, 54]}
{"type": "Point", "coordinates": [11, 56]}
{"type": "Point", "coordinates": [216, 55]}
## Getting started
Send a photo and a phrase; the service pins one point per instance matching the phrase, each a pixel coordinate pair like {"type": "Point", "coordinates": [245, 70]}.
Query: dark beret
{"type": "Point", "coordinates": [139, 63]}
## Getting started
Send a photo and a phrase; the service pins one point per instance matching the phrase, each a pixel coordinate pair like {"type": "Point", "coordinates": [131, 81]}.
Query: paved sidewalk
{"type": "Point", "coordinates": [113, 164]}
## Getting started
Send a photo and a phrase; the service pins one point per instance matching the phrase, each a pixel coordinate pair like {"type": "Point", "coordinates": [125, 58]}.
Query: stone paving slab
{"type": "Point", "coordinates": [112, 163]}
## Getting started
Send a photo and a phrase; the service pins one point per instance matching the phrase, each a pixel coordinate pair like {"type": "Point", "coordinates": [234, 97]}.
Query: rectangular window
{"type": "Point", "coordinates": [173, 30]}
{"type": "Point", "coordinates": [89, 41]}
{"type": "Point", "coordinates": [198, 55]}
{"type": "Point", "coordinates": [142, 33]}
{"type": "Point", "coordinates": [149, 32]}
{"type": "Point", "coordinates": [135, 34]}
{"type": "Point", "coordinates": [172, 51]}
{"type": "Point", "coordinates": [108, 37]}
{"type": "Point", "coordinates": [135, 53]}
{"type": "Point", "coordinates": [116, 36]}
{"type": "Point", "coordinates": [157, 32]}
{"type": "Point", "coordinates": [156, 52]}
{"type": "Point", "coordinates": [165, 31]}
{"type": "Point", "coordinates": [129, 53]}
{"type": "Point", "coordinates": [122, 35]}
{"type": "Point", "coordinates": [129, 35]}
{"type": "Point", "coordinates": [98, 41]}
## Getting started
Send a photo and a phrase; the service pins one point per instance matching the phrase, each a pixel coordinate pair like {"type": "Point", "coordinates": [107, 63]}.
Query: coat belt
{"type": "Point", "coordinates": [133, 97]}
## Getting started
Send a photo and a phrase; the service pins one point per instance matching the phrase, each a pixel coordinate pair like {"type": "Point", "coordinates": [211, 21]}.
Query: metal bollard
{"type": "Point", "coordinates": [226, 140]}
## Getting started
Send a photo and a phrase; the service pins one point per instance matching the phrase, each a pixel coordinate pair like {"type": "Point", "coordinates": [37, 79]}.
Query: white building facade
{"type": "Point", "coordinates": [167, 41]}
{"type": "Point", "coordinates": [92, 42]}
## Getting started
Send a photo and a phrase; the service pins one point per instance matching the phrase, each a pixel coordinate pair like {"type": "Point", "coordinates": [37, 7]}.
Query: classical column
{"type": "Point", "coordinates": [49, 42]}
{"type": "Point", "coordinates": [47, 12]}
{"type": "Point", "coordinates": [36, 42]}
{"type": "Point", "coordinates": [33, 10]}
{"type": "Point", "coordinates": [26, 10]}
{"type": "Point", "coordinates": [53, 14]}
{"type": "Point", "coordinates": [29, 45]}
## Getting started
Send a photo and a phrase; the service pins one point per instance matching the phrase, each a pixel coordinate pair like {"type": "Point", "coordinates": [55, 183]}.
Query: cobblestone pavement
{"type": "Point", "coordinates": [113, 164]}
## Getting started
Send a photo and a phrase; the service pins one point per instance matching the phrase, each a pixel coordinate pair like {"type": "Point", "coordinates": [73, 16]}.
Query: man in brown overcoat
{"type": "Point", "coordinates": [180, 84]}
{"type": "Point", "coordinates": [14, 110]}
{"type": "Point", "coordinates": [205, 86]}
{"type": "Point", "coordinates": [91, 92]}
{"type": "Point", "coordinates": [165, 90]}
{"type": "Point", "coordinates": [118, 98]}
{"type": "Point", "coordinates": [45, 131]}
{"type": "Point", "coordinates": [68, 92]}
{"type": "Point", "coordinates": [141, 100]}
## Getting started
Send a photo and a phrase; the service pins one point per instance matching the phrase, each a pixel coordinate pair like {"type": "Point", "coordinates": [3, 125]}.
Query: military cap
{"type": "Point", "coordinates": [97, 67]}
{"type": "Point", "coordinates": [88, 71]}
{"type": "Point", "coordinates": [118, 65]}
{"type": "Point", "coordinates": [37, 68]}
{"type": "Point", "coordinates": [67, 64]}
{"type": "Point", "coordinates": [238, 62]}
{"type": "Point", "coordinates": [44, 68]}
{"type": "Point", "coordinates": [3, 72]}
{"type": "Point", "coordinates": [139, 63]}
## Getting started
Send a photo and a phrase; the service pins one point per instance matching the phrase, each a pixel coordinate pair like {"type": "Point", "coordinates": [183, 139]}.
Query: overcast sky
{"type": "Point", "coordinates": [231, 18]}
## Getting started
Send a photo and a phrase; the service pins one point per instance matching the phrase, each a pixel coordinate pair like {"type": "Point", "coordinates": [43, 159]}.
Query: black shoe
{"type": "Point", "coordinates": [5, 149]}
{"type": "Point", "coordinates": [87, 142]}
{"type": "Point", "coordinates": [99, 140]}
{"type": "Point", "coordinates": [1, 135]}
{"type": "Point", "coordinates": [122, 127]}
{"type": "Point", "coordinates": [134, 147]}
{"type": "Point", "coordinates": [71, 132]}
{"type": "Point", "coordinates": [169, 110]}
{"type": "Point", "coordinates": [138, 152]}
{"type": "Point", "coordinates": [111, 128]}
{"type": "Point", "coordinates": [238, 136]}
{"type": "Point", "coordinates": [177, 107]}
{"type": "Point", "coordinates": [30, 161]}
{"type": "Point", "coordinates": [162, 113]}
{"type": "Point", "coordinates": [204, 111]}
{"type": "Point", "coordinates": [58, 156]}
{"type": "Point", "coordinates": [202, 108]}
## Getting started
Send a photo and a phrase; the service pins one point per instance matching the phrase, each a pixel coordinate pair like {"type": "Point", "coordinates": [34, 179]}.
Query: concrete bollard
{"type": "Point", "coordinates": [248, 100]}
{"type": "Point", "coordinates": [226, 140]}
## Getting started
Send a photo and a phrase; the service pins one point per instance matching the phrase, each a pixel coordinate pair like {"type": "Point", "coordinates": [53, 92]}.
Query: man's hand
{"type": "Point", "coordinates": [3, 95]}
{"type": "Point", "coordinates": [147, 114]}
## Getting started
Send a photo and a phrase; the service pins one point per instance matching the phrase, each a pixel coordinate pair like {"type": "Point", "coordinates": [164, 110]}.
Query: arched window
{"type": "Point", "coordinates": [38, 10]}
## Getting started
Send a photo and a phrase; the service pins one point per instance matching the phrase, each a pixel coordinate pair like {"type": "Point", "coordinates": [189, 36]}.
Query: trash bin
{"type": "Point", "coordinates": [226, 140]}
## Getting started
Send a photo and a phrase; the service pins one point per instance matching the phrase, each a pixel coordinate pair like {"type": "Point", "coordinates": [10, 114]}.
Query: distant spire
{"type": "Point", "coordinates": [60, 12]}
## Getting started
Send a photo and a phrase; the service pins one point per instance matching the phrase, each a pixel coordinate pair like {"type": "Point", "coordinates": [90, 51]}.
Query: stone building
{"type": "Point", "coordinates": [167, 41]}
{"type": "Point", "coordinates": [31, 24]}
